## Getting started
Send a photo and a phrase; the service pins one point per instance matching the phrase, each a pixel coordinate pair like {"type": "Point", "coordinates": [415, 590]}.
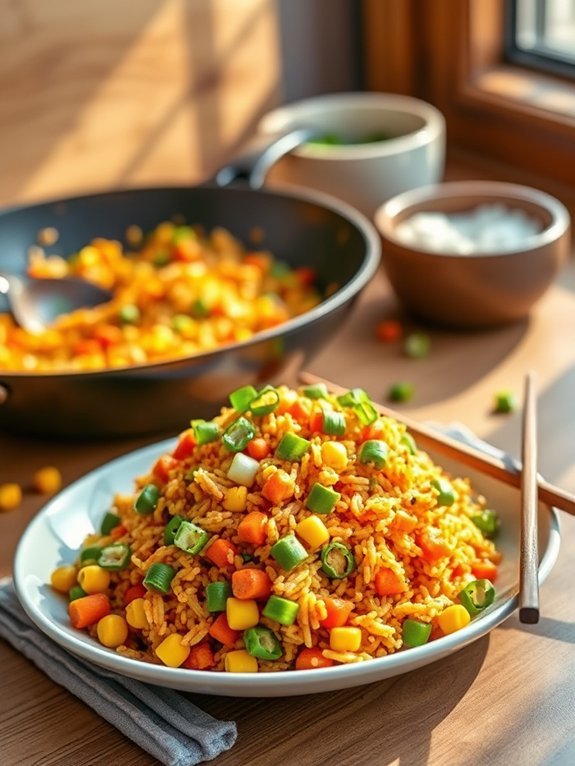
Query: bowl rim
{"type": "Point", "coordinates": [293, 114]}
{"type": "Point", "coordinates": [502, 192]}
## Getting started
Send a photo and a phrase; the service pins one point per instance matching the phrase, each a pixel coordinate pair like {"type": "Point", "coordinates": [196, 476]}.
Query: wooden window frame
{"type": "Point", "coordinates": [451, 53]}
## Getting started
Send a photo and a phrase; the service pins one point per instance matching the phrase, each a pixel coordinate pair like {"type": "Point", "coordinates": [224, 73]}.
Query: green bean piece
{"type": "Point", "coordinates": [90, 555]}
{"type": "Point", "coordinates": [159, 577]}
{"type": "Point", "coordinates": [401, 392]}
{"type": "Point", "coordinates": [109, 521]}
{"type": "Point", "coordinates": [477, 596]}
{"type": "Point", "coordinates": [487, 522]}
{"type": "Point", "coordinates": [288, 552]}
{"type": "Point", "coordinates": [171, 528]}
{"type": "Point", "coordinates": [416, 633]}
{"type": "Point", "coordinates": [292, 447]}
{"type": "Point", "coordinates": [115, 557]}
{"type": "Point", "coordinates": [217, 593]}
{"type": "Point", "coordinates": [205, 431]}
{"type": "Point", "coordinates": [317, 391]}
{"type": "Point", "coordinates": [333, 423]}
{"type": "Point", "coordinates": [322, 499]}
{"type": "Point", "coordinates": [337, 560]}
{"type": "Point", "coordinates": [505, 402]}
{"type": "Point", "coordinates": [238, 434]}
{"type": "Point", "coordinates": [408, 441]}
{"type": "Point", "coordinates": [261, 642]}
{"type": "Point", "coordinates": [446, 494]}
{"type": "Point", "coordinates": [190, 538]}
{"type": "Point", "coordinates": [147, 500]}
{"type": "Point", "coordinates": [281, 610]}
{"type": "Point", "coordinates": [374, 451]}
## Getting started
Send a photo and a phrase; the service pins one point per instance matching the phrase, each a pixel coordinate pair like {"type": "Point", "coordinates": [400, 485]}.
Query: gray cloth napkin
{"type": "Point", "coordinates": [161, 721]}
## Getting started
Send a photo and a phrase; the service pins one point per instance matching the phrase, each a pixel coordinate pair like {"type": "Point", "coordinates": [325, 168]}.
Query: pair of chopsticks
{"type": "Point", "coordinates": [525, 478]}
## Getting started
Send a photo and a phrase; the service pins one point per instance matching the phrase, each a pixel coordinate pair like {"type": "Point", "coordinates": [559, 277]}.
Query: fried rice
{"type": "Point", "coordinates": [398, 515]}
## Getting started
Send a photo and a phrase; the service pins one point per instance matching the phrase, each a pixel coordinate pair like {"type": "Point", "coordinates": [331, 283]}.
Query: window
{"type": "Point", "coordinates": [541, 33]}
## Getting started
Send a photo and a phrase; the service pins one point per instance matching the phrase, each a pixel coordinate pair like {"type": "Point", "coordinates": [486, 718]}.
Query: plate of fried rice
{"type": "Point", "coordinates": [298, 542]}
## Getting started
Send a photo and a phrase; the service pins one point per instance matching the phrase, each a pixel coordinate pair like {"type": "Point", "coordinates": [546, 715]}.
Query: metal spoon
{"type": "Point", "coordinates": [36, 303]}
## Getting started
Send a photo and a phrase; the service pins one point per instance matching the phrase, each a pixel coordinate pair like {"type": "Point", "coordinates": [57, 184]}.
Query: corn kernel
{"type": "Point", "coordinates": [112, 630]}
{"type": "Point", "coordinates": [63, 578]}
{"type": "Point", "coordinates": [10, 496]}
{"type": "Point", "coordinates": [242, 613]}
{"type": "Point", "coordinates": [346, 639]}
{"type": "Point", "coordinates": [172, 652]}
{"type": "Point", "coordinates": [240, 662]}
{"type": "Point", "coordinates": [47, 480]}
{"type": "Point", "coordinates": [136, 614]}
{"type": "Point", "coordinates": [312, 531]}
{"type": "Point", "coordinates": [334, 455]}
{"type": "Point", "coordinates": [93, 579]}
{"type": "Point", "coordinates": [453, 618]}
{"type": "Point", "coordinates": [235, 499]}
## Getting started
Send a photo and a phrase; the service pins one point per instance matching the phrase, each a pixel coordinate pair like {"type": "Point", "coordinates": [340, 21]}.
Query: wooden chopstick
{"type": "Point", "coordinates": [528, 555]}
{"type": "Point", "coordinates": [498, 468]}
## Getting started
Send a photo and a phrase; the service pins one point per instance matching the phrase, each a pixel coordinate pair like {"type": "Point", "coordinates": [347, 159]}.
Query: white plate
{"type": "Point", "coordinates": [56, 533]}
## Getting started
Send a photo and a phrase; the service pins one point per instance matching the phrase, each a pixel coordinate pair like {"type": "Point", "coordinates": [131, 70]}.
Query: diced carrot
{"type": "Point", "coordinates": [300, 410]}
{"type": "Point", "coordinates": [221, 553]}
{"type": "Point", "coordinates": [338, 611]}
{"type": "Point", "coordinates": [134, 592]}
{"type": "Point", "coordinates": [456, 572]}
{"type": "Point", "coordinates": [388, 583]}
{"type": "Point", "coordinates": [253, 528]}
{"type": "Point", "coordinates": [117, 531]}
{"type": "Point", "coordinates": [261, 260]}
{"type": "Point", "coordinates": [373, 431]}
{"type": "Point", "coordinates": [287, 398]}
{"type": "Point", "coordinates": [162, 468]}
{"type": "Point", "coordinates": [200, 657]}
{"type": "Point", "coordinates": [185, 445]}
{"type": "Point", "coordinates": [433, 545]}
{"type": "Point", "coordinates": [316, 422]}
{"type": "Point", "coordinates": [88, 610]}
{"type": "Point", "coordinates": [221, 631]}
{"type": "Point", "coordinates": [389, 331]}
{"type": "Point", "coordinates": [86, 346]}
{"type": "Point", "coordinates": [484, 570]}
{"type": "Point", "coordinates": [305, 275]}
{"type": "Point", "coordinates": [258, 448]}
{"type": "Point", "coordinates": [279, 486]}
{"type": "Point", "coordinates": [310, 658]}
{"type": "Point", "coordinates": [251, 583]}
{"type": "Point", "coordinates": [108, 335]}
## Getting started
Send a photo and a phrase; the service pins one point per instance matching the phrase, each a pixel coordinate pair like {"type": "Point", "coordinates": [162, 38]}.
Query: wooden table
{"type": "Point", "coordinates": [506, 699]}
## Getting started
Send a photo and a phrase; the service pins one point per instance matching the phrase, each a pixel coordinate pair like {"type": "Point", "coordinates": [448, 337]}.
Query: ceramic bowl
{"type": "Point", "coordinates": [479, 288]}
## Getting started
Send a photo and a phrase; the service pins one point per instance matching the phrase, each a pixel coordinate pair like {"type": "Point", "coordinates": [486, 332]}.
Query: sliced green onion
{"type": "Point", "coordinates": [446, 494]}
{"type": "Point", "coordinates": [238, 434]}
{"type": "Point", "coordinates": [217, 593]}
{"type": "Point", "coordinates": [477, 596]}
{"type": "Point", "coordinates": [129, 314]}
{"type": "Point", "coordinates": [337, 560]}
{"type": "Point", "coordinates": [243, 469]}
{"type": "Point", "coordinates": [416, 633]}
{"type": "Point", "coordinates": [408, 441]}
{"type": "Point", "coordinates": [352, 397]}
{"type": "Point", "coordinates": [359, 401]}
{"type": "Point", "coordinates": [265, 402]}
{"type": "Point", "coordinates": [147, 500]}
{"type": "Point", "coordinates": [200, 310]}
{"type": "Point", "coordinates": [281, 610]}
{"type": "Point", "coordinates": [190, 538]}
{"type": "Point", "coordinates": [488, 522]}
{"type": "Point", "coordinates": [205, 431]}
{"type": "Point", "coordinates": [288, 552]}
{"type": "Point", "coordinates": [505, 402]}
{"type": "Point", "coordinates": [109, 521]}
{"type": "Point", "coordinates": [76, 592]}
{"type": "Point", "coordinates": [322, 499]}
{"type": "Point", "coordinates": [317, 391]}
{"type": "Point", "coordinates": [262, 643]}
{"type": "Point", "coordinates": [374, 451]}
{"type": "Point", "coordinates": [159, 577]}
{"type": "Point", "coordinates": [401, 392]}
{"type": "Point", "coordinates": [171, 528]}
{"type": "Point", "coordinates": [90, 555]}
{"type": "Point", "coordinates": [333, 423]}
{"type": "Point", "coordinates": [417, 345]}
{"type": "Point", "coordinates": [240, 398]}
{"type": "Point", "coordinates": [292, 447]}
{"type": "Point", "coordinates": [115, 557]}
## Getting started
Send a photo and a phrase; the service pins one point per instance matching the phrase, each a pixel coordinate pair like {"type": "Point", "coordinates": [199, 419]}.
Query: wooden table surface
{"type": "Point", "coordinates": [506, 699]}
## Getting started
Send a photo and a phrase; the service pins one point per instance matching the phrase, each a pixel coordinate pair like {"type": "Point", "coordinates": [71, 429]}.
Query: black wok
{"type": "Point", "coordinates": [300, 228]}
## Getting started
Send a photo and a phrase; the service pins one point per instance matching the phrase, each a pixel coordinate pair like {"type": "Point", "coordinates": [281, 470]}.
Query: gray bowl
{"type": "Point", "coordinates": [480, 289]}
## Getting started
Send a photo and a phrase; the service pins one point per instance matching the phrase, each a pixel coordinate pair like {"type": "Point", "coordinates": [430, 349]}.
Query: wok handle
{"type": "Point", "coordinates": [259, 154]}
